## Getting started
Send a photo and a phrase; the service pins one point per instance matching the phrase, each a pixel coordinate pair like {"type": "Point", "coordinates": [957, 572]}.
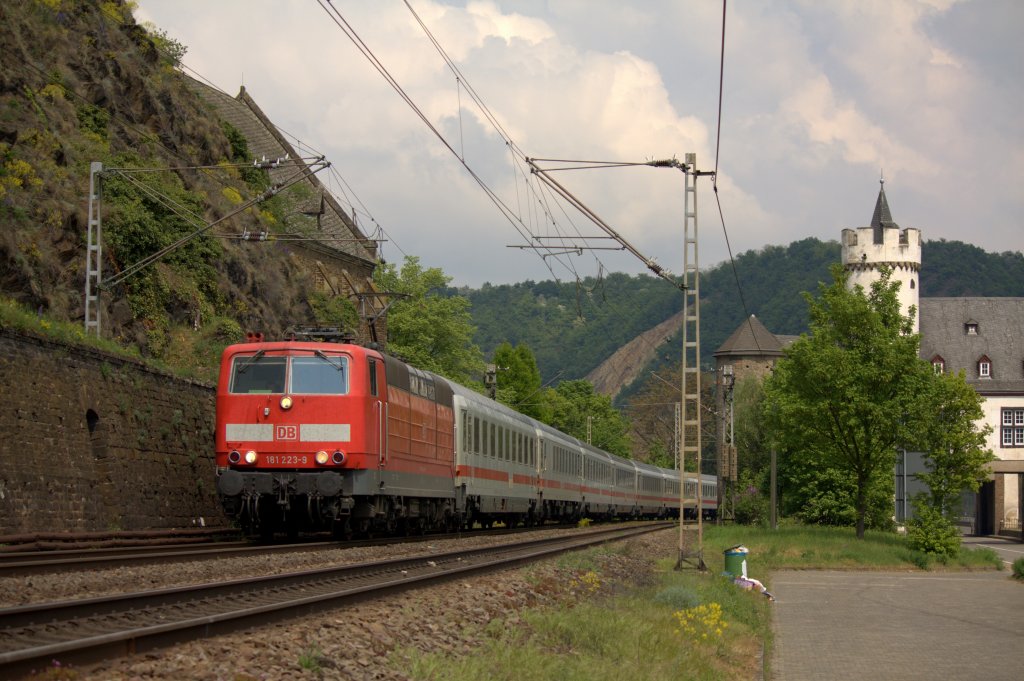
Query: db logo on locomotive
{"type": "Point", "coordinates": [286, 432]}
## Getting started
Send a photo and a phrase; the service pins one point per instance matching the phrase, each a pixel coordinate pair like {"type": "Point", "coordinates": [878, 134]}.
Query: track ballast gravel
{"type": "Point", "coordinates": [354, 642]}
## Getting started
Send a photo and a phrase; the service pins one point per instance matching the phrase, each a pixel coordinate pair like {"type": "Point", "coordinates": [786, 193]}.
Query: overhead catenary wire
{"type": "Point", "coordinates": [210, 171]}
{"type": "Point", "coordinates": [196, 75]}
{"type": "Point", "coordinates": [145, 262]}
{"type": "Point", "coordinates": [514, 218]}
{"type": "Point", "coordinates": [580, 206]}
{"type": "Point", "coordinates": [714, 184]}
{"type": "Point", "coordinates": [347, 29]}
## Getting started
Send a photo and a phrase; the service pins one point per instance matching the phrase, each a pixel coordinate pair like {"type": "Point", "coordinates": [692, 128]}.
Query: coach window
{"type": "Point", "coordinates": [476, 435]}
{"type": "Point", "coordinates": [493, 442]}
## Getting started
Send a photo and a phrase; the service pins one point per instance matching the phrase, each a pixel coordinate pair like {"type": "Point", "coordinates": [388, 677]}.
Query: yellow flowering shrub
{"type": "Point", "coordinates": [701, 623]}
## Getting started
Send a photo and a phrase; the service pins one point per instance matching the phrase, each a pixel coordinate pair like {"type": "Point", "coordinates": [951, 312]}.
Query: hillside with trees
{"type": "Point", "coordinates": [572, 328]}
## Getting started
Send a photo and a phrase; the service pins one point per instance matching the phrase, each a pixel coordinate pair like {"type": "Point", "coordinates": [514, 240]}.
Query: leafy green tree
{"type": "Point", "coordinates": [929, 531]}
{"type": "Point", "coordinates": [954, 452]}
{"type": "Point", "coordinates": [659, 455]}
{"type": "Point", "coordinates": [816, 493]}
{"type": "Point", "coordinates": [518, 378]}
{"type": "Point", "coordinates": [751, 505]}
{"type": "Point", "coordinates": [841, 396]}
{"type": "Point", "coordinates": [333, 310]}
{"type": "Point", "coordinates": [951, 441]}
{"type": "Point", "coordinates": [652, 415]}
{"type": "Point", "coordinates": [574, 403]}
{"type": "Point", "coordinates": [429, 330]}
{"type": "Point", "coordinates": [749, 429]}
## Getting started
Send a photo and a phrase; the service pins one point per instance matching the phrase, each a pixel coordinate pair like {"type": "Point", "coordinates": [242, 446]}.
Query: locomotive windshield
{"type": "Point", "coordinates": [318, 374]}
{"type": "Point", "coordinates": [258, 373]}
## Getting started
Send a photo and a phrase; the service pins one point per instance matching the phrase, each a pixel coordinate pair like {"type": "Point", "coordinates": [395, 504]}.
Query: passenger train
{"type": "Point", "coordinates": [321, 435]}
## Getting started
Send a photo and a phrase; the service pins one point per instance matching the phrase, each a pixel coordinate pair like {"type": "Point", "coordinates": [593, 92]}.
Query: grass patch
{"type": "Point", "coordinates": [15, 316]}
{"type": "Point", "coordinates": [19, 318]}
{"type": "Point", "coordinates": [813, 547]}
{"type": "Point", "coordinates": [686, 625]}
{"type": "Point", "coordinates": [605, 639]}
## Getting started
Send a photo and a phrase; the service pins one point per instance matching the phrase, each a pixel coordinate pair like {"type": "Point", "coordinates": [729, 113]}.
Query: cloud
{"type": "Point", "coordinates": [819, 97]}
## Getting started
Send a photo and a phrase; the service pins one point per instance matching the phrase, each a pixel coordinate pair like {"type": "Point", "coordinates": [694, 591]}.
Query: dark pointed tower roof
{"type": "Point", "coordinates": [882, 218]}
{"type": "Point", "coordinates": [751, 338]}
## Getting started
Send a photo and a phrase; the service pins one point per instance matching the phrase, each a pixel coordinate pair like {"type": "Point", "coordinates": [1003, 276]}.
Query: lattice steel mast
{"type": "Point", "coordinates": [689, 432]}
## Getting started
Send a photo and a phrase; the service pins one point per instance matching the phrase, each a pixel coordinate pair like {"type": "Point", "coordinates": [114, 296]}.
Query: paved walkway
{"type": "Point", "coordinates": [897, 625]}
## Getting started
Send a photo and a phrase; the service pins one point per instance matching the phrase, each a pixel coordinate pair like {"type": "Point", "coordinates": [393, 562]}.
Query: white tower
{"type": "Point", "coordinates": [866, 249]}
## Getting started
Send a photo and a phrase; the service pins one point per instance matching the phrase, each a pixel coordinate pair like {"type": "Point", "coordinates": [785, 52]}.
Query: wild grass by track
{"type": "Point", "coordinates": [683, 624]}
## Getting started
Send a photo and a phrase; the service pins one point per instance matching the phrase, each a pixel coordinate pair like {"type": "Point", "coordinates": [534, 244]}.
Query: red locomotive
{"type": "Point", "coordinates": [323, 435]}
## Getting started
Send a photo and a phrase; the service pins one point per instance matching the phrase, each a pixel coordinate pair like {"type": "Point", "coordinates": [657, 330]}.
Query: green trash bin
{"type": "Point", "coordinates": [736, 561]}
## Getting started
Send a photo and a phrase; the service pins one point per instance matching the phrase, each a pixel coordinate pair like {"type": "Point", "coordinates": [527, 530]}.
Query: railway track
{"type": "Point", "coordinates": [41, 562]}
{"type": "Point", "coordinates": [89, 630]}
{"type": "Point", "coordinates": [17, 564]}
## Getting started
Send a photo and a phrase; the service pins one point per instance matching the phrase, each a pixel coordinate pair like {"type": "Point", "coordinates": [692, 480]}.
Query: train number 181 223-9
{"type": "Point", "coordinates": [286, 460]}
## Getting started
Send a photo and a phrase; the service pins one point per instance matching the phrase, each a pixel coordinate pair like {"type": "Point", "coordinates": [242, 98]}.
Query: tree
{"type": "Point", "coordinates": [951, 441]}
{"type": "Point", "coordinates": [427, 329]}
{"type": "Point", "coordinates": [651, 411]}
{"type": "Point", "coordinates": [574, 403]}
{"type": "Point", "coordinates": [842, 395]}
{"type": "Point", "coordinates": [953, 448]}
{"type": "Point", "coordinates": [519, 384]}
{"type": "Point", "coordinates": [749, 428]}
{"type": "Point", "coordinates": [652, 415]}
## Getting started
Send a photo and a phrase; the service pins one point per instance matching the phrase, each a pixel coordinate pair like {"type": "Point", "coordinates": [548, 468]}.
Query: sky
{"type": "Point", "coordinates": [819, 101]}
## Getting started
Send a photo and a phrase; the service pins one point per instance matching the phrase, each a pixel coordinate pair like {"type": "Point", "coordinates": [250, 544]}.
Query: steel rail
{"type": "Point", "coordinates": [69, 560]}
{"type": "Point", "coordinates": [89, 630]}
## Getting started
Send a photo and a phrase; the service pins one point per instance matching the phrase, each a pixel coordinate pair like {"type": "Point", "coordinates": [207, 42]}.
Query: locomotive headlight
{"type": "Point", "coordinates": [286, 403]}
{"type": "Point", "coordinates": [250, 456]}
{"type": "Point", "coordinates": [321, 457]}
{"type": "Point", "coordinates": [234, 456]}
{"type": "Point", "coordinates": [338, 457]}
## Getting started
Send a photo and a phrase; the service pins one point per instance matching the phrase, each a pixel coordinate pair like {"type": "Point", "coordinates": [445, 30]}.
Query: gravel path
{"type": "Point", "coordinates": [353, 642]}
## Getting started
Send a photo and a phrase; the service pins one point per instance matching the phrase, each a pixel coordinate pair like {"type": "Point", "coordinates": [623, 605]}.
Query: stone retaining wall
{"type": "Point", "coordinates": [90, 441]}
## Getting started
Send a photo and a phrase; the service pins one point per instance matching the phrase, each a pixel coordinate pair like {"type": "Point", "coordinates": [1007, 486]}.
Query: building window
{"type": "Point", "coordinates": [984, 367]}
{"type": "Point", "coordinates": [971, 328]}
{"type": "Point", "coordinates": [1013, 427]}
{"type": "Point", "coordinates": [938, 364]}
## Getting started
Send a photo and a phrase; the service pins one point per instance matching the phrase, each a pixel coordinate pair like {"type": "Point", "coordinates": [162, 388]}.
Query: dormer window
{"type": "Point", "coordinates": [938, 364]}
{"type": "Point", "coordinates": [971, 328]}
{"type": "Point", "coordinates": [984, 367]}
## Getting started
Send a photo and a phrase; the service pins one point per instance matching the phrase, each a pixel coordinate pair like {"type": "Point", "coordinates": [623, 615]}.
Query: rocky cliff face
{"type": "Point", "coordinates": [80, 82]}
{"type": "Point", "coordinates": [626, 363]}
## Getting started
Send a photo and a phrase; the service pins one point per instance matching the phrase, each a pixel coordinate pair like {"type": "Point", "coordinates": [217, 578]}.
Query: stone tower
{"type": "Point", "coordinates": [867, 249]}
